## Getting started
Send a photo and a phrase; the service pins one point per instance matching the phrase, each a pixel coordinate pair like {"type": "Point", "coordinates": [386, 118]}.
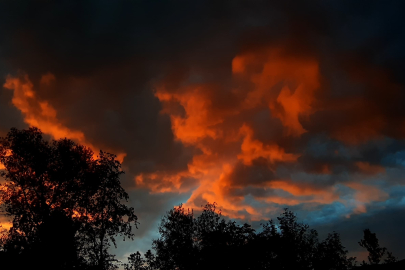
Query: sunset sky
{"type": "Point", "coordinates": [254, 105]}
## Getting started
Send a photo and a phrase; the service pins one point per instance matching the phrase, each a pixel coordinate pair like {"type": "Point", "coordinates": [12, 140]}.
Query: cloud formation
{"type": "Point", "coordinates": [253, 105]}
{"type": "Point", "coordinates": [40, 113]}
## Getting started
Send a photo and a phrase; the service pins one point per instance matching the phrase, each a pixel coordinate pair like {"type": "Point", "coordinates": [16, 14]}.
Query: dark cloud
{"type": "Point", "coordinates": [256, 174]}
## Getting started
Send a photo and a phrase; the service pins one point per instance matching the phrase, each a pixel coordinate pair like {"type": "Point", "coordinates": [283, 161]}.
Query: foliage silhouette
{"type": "Point", "coordinates": [390, 258]}
{"type": "Point", "coordinates": [226, 243]}
{"type": "Point", "coordinates": [135, 262]}
{"type": "Point", "coordinates": [331, 254]}
{"type": "Point", "coordinates": [376, 253]}
{"type": "Point", "coordinates": [176, 247]}
{"type": "Point", "coordinates": [210, 242]}
{"type": "Point", "coordinates": [62, 200]}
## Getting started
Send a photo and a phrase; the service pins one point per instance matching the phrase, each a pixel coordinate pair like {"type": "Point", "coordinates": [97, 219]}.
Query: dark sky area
{"type": "Point", "coordinates": [255, 105]}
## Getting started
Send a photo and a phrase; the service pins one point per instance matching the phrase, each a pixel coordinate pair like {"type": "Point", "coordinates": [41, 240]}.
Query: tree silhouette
{"type": "Point", "coordinates": [187, 242]}
{"type": "Point", "coordinates": [331, 254]}
{"type": "Point", "coordinates": [370, 242]}
{"type": "Point", "coordinates": [376, 253]}
{"type": "Point", "coordinates": [224, 242]}
{"type": "Point", "coordinates": [286, 245]}
{"type": "Point", "coordinates": [56, 243]}
{"type": "Point", "coordinates": [210, 242]}
{"type": "Point", "coordinates": [390, 258]}
{"type": "Point", "coordinates": [175, 248]}
{"type": "Point", "coordinates": [135, 262]}
{"type": "Point", "coordinates": [297, 243]}
{"type": "Point", "coordinates": [150, 261]}
{"type": "Point", "coordinates": [62, 199]}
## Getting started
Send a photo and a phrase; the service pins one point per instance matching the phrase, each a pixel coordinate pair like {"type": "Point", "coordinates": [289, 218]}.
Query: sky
{"type": "Point", "coordinates": [254, 105]}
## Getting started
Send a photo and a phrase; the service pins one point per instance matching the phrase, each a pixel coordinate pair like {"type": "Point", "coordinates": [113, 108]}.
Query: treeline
{"type": "Point", "coordinates": [67, 207]}
{"type": "Point", "coordinates": [210, 242]}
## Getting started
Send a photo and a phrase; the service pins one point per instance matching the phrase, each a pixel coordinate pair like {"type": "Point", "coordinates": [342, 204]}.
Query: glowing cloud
{"type": "Point", "coordinates": [223, 131]}
{"type": "Point", "coordinates": [299, 78]}
{"type": "Point", "coordinates": [40, 113]}
{"type": "Point", "coordinates": [366, 168]}
{"type": "Point", "coordinates": [199, 121]}
{"type": "Point", "coordinates": [366, 194]}
{"type": "Point", "coordinates": [216, 126]}
{"type": "Point", "coordinates": [253, 149]}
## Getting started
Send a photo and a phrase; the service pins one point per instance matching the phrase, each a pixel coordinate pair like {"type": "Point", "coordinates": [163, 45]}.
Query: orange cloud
{"type": "Point", "coordinates": [366, 194]}
{"type": "Point", "coordinates": [365, 167]}
{"type": "Point", "coordinates": [215, 191]}
{"type": "Point", "coordinates": [218, 122]}
{"type": "Point", "coordinates": [40, 113]}
{"type": "Point", "coordinates": [325, 169]}
{"type": "Point", "coordinates": [196, 124]}
{"type": "Point", "coordinates": [162, 182]}
{"type": "Point", "coordinates": [2, 167]}
{"type": "Point", "coordinates": [5, 225]}
{"type": "Point", "coordinates": [299, 79]}
{"type": "Point", "coordinates": [253, 149]}
{"type": "Point", "coordinates": [201, 117]}
{"type": "Point", "coordinates": [324, 196]}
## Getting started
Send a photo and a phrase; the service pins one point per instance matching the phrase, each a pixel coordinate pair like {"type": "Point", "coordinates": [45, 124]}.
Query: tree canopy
{"type": "Point", "coordinates": [210, 242]}
{"type": "Point", "coordinates": [62, 199]}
